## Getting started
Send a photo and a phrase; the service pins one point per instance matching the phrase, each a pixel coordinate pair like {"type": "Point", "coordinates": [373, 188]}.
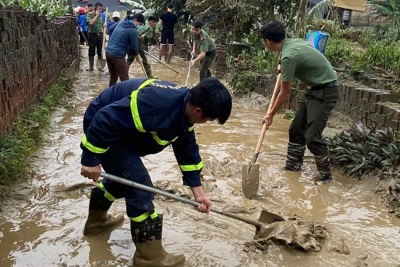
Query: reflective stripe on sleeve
{"type": "Point", "coordinates": [188, 168]}
{"type": "Point", "coordinates": [160, 141]}
{"type": "Point", "coordinates": [92, 148]}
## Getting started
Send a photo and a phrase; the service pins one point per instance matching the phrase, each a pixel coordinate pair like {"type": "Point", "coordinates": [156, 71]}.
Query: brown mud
{"type": "Point", "coordinates": [42, 221]}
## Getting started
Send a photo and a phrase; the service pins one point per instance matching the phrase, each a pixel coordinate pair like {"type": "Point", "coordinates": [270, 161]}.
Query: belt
{"type": "Point", "coordinates": [325, 85]}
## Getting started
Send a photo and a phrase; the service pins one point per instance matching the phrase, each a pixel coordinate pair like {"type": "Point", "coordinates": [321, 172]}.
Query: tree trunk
{"type": "Point", "coordinates": [301, 19]}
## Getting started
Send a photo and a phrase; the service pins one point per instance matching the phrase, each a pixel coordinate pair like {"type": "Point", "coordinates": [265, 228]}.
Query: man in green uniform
{"type": "Point", "coordinates": [146, 34]}
{"type": "Point", "coordinates": [300, 60]}
{"type": "Point", "coordinates": [203, 42]}
{"type": "Point", "coordinates": [95, 32]}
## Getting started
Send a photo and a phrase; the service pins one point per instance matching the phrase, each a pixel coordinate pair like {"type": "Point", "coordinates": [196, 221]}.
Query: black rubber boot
{"type": "Point", "coordinates": [149, 252]}
{"type": "Point", "coordinates": [98, 219]}
{"type": "Point", "coordinates": [295, 156]}
{"type": "Point", "coordinates": [91, 64]}
{"type": "Point", "coordinates": [324, 168]}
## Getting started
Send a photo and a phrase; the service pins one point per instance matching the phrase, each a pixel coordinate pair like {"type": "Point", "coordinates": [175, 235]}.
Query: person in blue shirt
{"type": "Point", "coordinates": [133, 119]}
{"type": "Point", "coordinates": [124, 38]}
{"type": "Point", "coordinates": [82, 26]}
{"type": "Point", "coordinates": [116, 17]}
{"type": "Point", "coordinates": [103, 15]}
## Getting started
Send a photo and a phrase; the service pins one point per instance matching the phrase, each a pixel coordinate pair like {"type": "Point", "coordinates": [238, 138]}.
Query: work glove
{"type": "Point", "coordinates": [138, 59]}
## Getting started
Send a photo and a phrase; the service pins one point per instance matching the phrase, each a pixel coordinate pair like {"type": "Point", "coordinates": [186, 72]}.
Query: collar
{"type": "Point", "coordinates": [282, 45]}
{"type": "Point", "coordinates": [185, 122]}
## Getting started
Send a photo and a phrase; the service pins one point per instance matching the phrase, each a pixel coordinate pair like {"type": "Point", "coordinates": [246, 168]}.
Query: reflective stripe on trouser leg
{"type": "Point", "coordinates": [295, 156]}
{"type": "Point", "coordinates": [106, 194]}
{"type": "Point", "coordinates": [144, 216]}
{"type": "Point", "coordinates": [98, 200]}
{"type": "Point", "coordinates": [324, 166]}
{"type": "Point", "coordinates": [122, 161]}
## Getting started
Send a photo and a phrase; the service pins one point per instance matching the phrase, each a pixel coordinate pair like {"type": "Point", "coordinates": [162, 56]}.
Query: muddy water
{"type": "Point", "coordinates": [41, 223]}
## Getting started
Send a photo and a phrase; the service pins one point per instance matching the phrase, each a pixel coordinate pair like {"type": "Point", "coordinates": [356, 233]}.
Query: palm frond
{"type": "Point", "coordinates": [383, 10]}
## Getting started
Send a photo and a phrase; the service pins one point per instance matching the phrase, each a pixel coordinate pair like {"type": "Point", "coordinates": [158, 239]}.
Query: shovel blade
{"type": "Point", "coordinates": [250, 180]}
{"type": "Point", "coordinates": [101, 63]}
{"type": "Point", "coordinates": [269, 217]}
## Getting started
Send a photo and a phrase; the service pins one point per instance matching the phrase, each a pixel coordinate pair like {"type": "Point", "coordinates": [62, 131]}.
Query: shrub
{"type": "Point", "coordinates": [360, 150]}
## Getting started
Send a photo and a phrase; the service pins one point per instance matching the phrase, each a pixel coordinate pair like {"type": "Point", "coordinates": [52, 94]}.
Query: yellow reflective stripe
{"type": "Point", "coordinates": [154, 214]}
{"type": "Point", "coordinates": [134, 106]}
{"type": "Point", "coordinates": [135, 112]}
{"type": "Point", "coordinates": [92, 148]}
{"type": "Point", "coordinates": [188, 168]}
{"type": "Point", "coordinates": [191, 128]}
{"type": "Point", "coordinates": [106, 194]}
{"type": "Point", "coordinates": [160, 141]}
{"type": "Point", "coordinates": [144, 216]}
{"type": "Point", "coordinates": [145, 83]}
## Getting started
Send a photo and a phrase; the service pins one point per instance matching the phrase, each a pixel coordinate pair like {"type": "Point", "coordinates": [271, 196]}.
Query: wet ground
{"type": "Point", "coordinates": [41, 223]}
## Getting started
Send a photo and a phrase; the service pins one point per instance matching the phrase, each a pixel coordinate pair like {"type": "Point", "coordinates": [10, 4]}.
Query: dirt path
{"type": "Point", "coordinates": [41, 223]}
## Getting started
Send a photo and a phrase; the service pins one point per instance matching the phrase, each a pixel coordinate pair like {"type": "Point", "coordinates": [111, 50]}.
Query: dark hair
{"type": "Point", "coordinates": [170, 5]}
{"type": "Point", "coordinates": [98, 4]}
{"type": "Point", "coordinates": [273, 31]}
{"type": "Point", "coordinates": [139, 17]}
{"type": "Point", "coordinates": [213, 98]}
{"type": "Point", "coordinates": [90, 4]}
{"type": "Point", "coordinates": [197, 24]}
{"type": "Point", "coordinates": [152, 18]}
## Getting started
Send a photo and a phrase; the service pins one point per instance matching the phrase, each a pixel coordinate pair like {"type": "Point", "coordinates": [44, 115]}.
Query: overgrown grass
{"type": "Point", "coordinates": [339, 51]}
{"type": "Point", "coordinates": [27, 134]}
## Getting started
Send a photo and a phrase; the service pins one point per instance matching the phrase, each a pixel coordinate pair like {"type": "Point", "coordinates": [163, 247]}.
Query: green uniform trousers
{"type": "Point", "coordinates": [306, 129]}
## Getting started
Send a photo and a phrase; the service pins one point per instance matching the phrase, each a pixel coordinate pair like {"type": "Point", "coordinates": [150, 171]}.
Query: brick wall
{"type": "Point", "coordinates": [33, 53]}
{"type": "Point", "coordinates": [373, 107]}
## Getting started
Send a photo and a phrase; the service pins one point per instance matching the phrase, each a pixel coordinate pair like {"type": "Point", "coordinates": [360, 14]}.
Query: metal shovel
{"type": "Point", "coordinates": [147, 53]}
{"type": "Point", "coordinates": [251, 172]}
{"type": "Point", "coordinates": [265, 216]}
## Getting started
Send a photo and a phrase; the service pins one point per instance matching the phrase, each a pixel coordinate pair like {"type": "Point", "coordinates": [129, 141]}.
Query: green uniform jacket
{"type": "Point", "coordinates": [302, 61]}
{"type": "Point", "coordinates": [204, 42]}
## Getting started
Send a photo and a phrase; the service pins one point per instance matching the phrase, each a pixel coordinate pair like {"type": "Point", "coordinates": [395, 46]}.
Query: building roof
{"type": "Point", "coordinates": [357, 5]}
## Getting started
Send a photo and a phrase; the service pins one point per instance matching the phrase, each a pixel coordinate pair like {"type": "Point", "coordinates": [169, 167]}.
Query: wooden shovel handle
{"type": "Point", "coordinates": [275, 92]}
{"type": "Point", "coordinates": [271, 104]}
{"type": "Point", "coordinates": [104, 33]}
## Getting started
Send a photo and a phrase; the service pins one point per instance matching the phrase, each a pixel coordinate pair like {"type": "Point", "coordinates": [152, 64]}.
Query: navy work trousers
{"type": "Point", "coordinates": [121, 160]}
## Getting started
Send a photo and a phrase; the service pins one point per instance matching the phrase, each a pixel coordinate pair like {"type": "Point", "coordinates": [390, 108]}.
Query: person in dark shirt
{"type": "Point", "coordinates": [168, 21]}
{"type": "Point", "coordinates": [133, 119]}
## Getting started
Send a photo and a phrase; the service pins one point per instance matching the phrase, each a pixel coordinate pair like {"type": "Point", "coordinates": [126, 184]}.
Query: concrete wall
{"type": "Point", "coordinates": [373, 107]}
{"type": "Point", "coordinates": [33, 53]}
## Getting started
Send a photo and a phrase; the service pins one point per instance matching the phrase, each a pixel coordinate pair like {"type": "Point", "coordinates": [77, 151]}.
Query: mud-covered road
{"type": "Point", "coordinates": [41, 224]}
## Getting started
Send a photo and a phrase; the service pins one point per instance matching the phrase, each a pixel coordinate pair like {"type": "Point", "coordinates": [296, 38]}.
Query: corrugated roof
{"type": "Point", "coordinates": [357, 5]}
